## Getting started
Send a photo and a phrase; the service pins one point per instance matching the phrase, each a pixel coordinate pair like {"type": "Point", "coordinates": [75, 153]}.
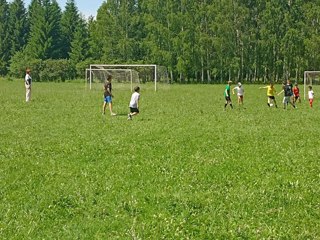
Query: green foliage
{"type": "Point", "coordinates": [198, 41]}
{"type": "Point", "coordinates": [47, 70]}
{"type": "Point", "coordinates": [55, 70]}
{"type": "Point", "coordinates": [69, 25]}
{"type": "Point", "coordinates": [21, 61]}
{"type": "Point", "coordinates": [4, 37]}
{"type": "Point", "coordinates": [182, 169]}
{"type": "Point", "coordinates": [79, 45]}
{"type": "Point", "coordinates": [18, 26]}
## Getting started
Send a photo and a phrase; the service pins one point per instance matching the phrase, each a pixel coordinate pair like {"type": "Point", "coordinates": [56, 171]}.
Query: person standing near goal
{"type": "Point", "coordinates": [134, 103]}
{"type": "Point", "coordinates": [270, 94]}
{"type": "Point", "coordinates": [108, 96]}
{"type": "Point", "coordinates": [310, 96]}
{"type": "Point", "coordinates": [27, 84]}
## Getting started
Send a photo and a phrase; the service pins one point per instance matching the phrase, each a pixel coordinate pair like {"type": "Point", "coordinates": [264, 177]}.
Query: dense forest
{"type": "Point", "coordinates": [204, 41]}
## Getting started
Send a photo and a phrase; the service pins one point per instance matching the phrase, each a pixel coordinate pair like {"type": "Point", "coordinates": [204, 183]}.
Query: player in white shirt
{"type": "Point", "coordinates": [240, 92]}
{"type": "Point", "coordinates": [27, 84]}
{"type": "Point", "coordinates": [310, 96]}
{"type": "Point", "coordinates": [134, 103]}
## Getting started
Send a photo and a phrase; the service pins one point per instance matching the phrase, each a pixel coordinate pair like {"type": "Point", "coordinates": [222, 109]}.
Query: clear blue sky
{"type": "Point", "coordinates": [86, 7]}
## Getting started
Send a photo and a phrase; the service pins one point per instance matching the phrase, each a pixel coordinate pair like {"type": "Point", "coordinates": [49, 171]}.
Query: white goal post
{"type": "Point", "coordinates": [146, 72]}
{"type": "Point", "coordinates": [310, 78]}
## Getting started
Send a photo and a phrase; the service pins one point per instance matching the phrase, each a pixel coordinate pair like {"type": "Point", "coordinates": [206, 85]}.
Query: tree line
{"type": "Point", "coordinates": [204, 41]}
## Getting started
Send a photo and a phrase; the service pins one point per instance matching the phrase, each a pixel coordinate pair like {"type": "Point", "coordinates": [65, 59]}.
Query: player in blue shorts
{"type": "Point", "coordinates": [108, 96]}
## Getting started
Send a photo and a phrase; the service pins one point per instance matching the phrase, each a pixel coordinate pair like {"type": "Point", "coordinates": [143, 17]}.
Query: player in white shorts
{"type": "Point", "coordinates": [240, 93]}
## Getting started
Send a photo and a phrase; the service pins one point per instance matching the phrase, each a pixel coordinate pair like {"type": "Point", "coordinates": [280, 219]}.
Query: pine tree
{"type": "Point", "coordinates": [54, 20]}
{"type": "Point", "coordinates": [18, 25]}
{"type": "Point", "coordinates": [79, 45]}
{"type": "Point", "coordinates": [44, 30]}
{"type": "Point", "coordinates": [4, 37]}
{"type": "Point", "coordinates": [69, 22]}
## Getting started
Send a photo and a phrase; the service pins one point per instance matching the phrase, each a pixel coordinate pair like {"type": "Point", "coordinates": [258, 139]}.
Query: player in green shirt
{"type": "Point", "coordinates": [227, 95]}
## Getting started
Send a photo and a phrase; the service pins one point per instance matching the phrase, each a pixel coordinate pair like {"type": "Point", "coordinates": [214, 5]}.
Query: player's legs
{"type": "Point", "coordinates": [108, 101]}
{"type": "Point", "coordinates": [110, 108]}
{"type": "Point", "coordinates": [228, 101]}
{"type": "Point", "coordinates": [240, 100]}
{"type": "Point", "coordinates": [133, 112]}
{"type": "Point", "coordinates": [311, 102]}
{"type": "Point", "coordinates": [270, 98]}
{"type": "Point", "coordinates": [28, 94]}
{"type": "Point", "coordinates": [104, 108]}
{"type": "Point", "coordinates": [285, 102]}
{"type": "Point", "coordinates": [292, 103]}
{"type": "Point", "coordinates": [274, 102]}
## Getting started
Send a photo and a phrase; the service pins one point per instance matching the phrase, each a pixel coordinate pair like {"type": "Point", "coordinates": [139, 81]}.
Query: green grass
{"type": "Point", "coordinates": [182, 169]}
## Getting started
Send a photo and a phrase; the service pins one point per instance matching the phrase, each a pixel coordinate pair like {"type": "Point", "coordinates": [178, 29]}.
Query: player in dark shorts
{"type": "Point", "coordinates": [227, 95]}
{"type": "Point", "coordinates": [296, 93]}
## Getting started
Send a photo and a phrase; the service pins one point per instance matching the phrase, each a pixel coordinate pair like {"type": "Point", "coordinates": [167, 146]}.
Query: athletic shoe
{"type": "Point", "coordinates": [129, 116]}
{"type": "Point", "coordinates": [113, 114]}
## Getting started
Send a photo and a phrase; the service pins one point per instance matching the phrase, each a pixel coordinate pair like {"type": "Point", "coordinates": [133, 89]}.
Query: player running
{"type": "Point", "coordinates": [271, 91]}
{"type": "Point", "coordinates": [287, 89]}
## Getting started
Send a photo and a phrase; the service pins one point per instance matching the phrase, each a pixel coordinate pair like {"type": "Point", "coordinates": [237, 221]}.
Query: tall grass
{"type": "Point", "coordinates": [182, 169]}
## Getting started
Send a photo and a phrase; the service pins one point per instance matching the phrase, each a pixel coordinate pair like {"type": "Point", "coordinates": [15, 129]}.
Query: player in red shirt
{"type": "Point", "coordinates": [296, 93]}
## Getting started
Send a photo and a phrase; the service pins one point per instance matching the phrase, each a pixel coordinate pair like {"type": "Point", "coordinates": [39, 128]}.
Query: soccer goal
{"type": "Point", "coordinates": [310, 78]}
{"type": "Point", "coordinates": [99, 75]}
{"type": "Point", "coordinates": [127, 73]}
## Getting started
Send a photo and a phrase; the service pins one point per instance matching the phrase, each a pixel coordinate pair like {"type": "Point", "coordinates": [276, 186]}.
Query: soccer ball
{"type": "Point", "coordinates": [271, 104]}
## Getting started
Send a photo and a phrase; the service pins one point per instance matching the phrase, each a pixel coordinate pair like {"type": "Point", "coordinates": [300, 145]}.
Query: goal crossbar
{"type": "Point", "coordinates": [106, 70]}
{"type": "Point", "coordinates": [101, 66]}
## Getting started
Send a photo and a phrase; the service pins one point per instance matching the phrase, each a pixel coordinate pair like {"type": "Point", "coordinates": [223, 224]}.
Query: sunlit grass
{"type": "Point", "coordinates": [182, 169]}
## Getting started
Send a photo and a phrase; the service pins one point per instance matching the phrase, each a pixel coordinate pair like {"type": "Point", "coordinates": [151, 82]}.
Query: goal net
{"type": "Point", "coordinates": [127, 73]}
{"type": "Point", "coordinates": [95, 77]}
{"type": "Point", "coordinates": [310, 78]}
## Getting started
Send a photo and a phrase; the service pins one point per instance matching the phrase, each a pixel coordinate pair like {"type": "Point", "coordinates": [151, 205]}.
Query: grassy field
{"type": "Point", "coordinates": [182, 169]}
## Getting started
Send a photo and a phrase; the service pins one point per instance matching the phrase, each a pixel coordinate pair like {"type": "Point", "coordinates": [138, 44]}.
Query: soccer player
{"type": "Point", "coordinates": [310, 96]}
{"type": "Point", "coordinates": [27, 84]}
{"type": "Point", "coordinates": [134, 103]}
{"type": "Point", "coordinates": [240, 92]}
{"type": "Point", "coordinates": [271, 91]}
{"type": "Point", "coordinates": [108, 96]}
{"type": "Point", "coordinates": [287, 89]}
{"type": "Point", "coordinates": [296, 93]}
{"type": "Point", "coordinates": [227, 96]}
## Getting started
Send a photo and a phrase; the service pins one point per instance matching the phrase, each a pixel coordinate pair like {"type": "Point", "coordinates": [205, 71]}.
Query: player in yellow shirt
{"type": "Point", "coordinates": [271, 91]}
